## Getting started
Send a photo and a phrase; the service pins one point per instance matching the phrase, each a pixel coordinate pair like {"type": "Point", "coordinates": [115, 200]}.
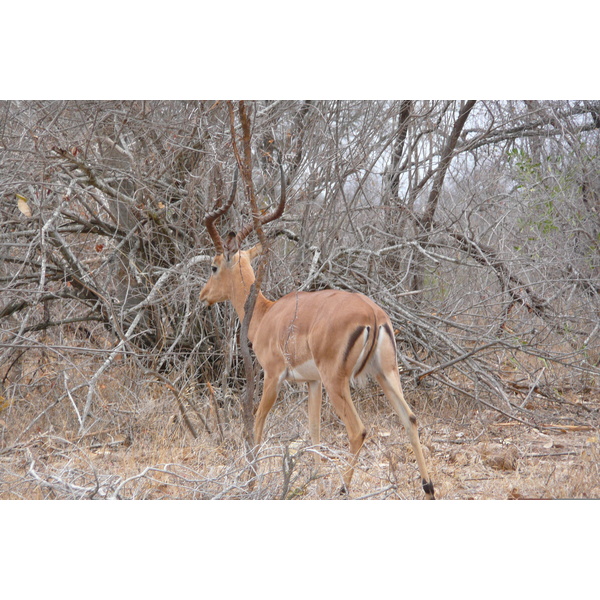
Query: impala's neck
{"type": "Point", "coordinates": [238, 299]}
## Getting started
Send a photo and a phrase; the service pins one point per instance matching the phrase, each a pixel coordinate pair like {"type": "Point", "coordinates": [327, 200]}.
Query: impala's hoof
{"type": "Point", "coordinates": [428, 489]}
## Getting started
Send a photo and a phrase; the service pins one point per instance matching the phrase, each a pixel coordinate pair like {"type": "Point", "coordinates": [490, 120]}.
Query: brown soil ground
{"type": "Point", "coordinates": [473, 453]}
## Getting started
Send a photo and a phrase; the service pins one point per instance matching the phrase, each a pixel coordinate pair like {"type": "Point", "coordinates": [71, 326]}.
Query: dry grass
{"type": "Point", "coordinates": [141, 450]}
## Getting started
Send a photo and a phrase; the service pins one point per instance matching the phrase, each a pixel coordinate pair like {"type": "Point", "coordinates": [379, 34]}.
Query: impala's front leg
{"type": "Point", "coordinates": [269, 395]}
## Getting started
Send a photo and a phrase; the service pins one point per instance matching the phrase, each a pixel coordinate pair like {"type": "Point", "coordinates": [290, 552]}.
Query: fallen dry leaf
{"type": "Point", "coordinates": [23, 206]}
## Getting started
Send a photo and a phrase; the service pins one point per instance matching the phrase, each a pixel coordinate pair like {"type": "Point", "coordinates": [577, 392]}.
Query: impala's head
{"type": "Point", "coordinates": [232, 274]}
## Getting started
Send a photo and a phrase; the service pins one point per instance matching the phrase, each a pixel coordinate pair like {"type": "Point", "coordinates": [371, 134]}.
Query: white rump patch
{"type": "Point", "coordinates": [373, 365]}
{"type": "Point", "coordinates": [360, 381]}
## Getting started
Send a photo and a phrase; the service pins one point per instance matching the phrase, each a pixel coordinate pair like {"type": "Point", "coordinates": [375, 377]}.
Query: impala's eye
{"type": "Point", "coordinates": [214, 268]}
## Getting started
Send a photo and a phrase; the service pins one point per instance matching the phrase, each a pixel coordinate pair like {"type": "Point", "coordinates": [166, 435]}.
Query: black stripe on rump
{"type": "Point", "coordinates": [369, 353]}
{"type": "Point", "coordinates": [389, 331]}
{"type": "Point", "coordinates": [355, 335]}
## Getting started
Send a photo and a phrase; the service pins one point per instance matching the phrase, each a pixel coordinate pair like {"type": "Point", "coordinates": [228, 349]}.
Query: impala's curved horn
{"type": "Point", "coordinates": [274, 214]}
{"type": "Point", "coordinates": [209, 220]}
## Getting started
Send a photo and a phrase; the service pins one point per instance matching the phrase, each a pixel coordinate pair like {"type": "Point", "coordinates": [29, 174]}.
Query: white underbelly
{"type": "Point", "coordinates": [307, 371]}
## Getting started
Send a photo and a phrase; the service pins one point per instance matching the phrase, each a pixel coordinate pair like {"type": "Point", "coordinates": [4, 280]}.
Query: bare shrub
{"type": "Point", "coordinates": [114, 382]}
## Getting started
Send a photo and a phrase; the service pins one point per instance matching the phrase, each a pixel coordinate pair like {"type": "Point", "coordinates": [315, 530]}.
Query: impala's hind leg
{"type": "Point", "coordinates": [315, 399]}
{"type": "Point", "coordinates": [390, 382]}
{"type": "Point", "coordinates": [339, 394]}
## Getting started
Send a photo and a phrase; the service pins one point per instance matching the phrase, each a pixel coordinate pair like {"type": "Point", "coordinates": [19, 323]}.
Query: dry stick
{"type": "Point", "coordinates": [61, 486]}
{"type": "Point", "coordinates": [115, 351]}
{"type": "Point", "coordinates": [455, 360]}
{"type": "Point", "coordinates": [73, 403]}
{"type": "Point", "coordinates": [245, 166]}
{"type": "Point", "coordinates": [192, 404]}
{"type": "Point", "coordinates": [215, 408]}
{"type": "Point", "coordinates": [11, 448]}
{"type": "Point", "coordinates": [447, 381]}
{"type": "Point", "coordinates": [177, 394]}
{"type": "Point", "coordinates": [532, 388]}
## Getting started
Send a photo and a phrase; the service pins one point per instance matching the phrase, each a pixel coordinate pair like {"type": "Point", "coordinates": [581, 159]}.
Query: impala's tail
{"type": "Point", "coordinates": [372, 339]}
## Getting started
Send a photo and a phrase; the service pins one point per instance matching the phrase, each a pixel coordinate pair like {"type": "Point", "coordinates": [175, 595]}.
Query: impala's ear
{"type": "Point", "coordinates": [231, 245]}
{"type": "Point", "coordinates": [255, 251]}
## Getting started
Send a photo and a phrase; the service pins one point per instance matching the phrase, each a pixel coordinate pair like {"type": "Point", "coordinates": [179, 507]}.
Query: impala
{"type": "Point", "coordinates": [328, 337]}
